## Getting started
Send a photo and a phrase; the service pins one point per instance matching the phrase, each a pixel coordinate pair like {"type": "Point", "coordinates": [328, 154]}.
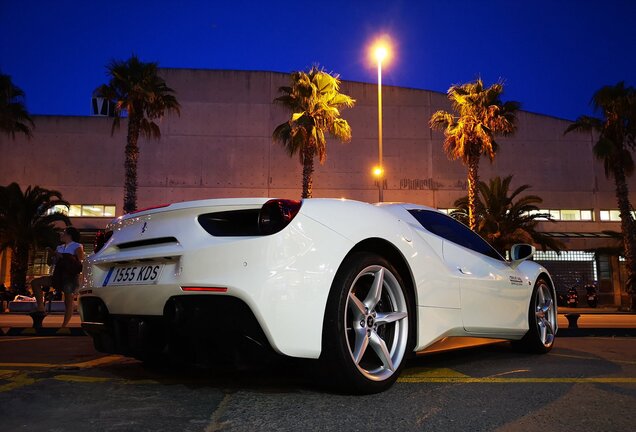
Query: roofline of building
{"type": "Point", "coordinates": [351, 81]}
{"type": "Point", "coordinates": [287, 73]}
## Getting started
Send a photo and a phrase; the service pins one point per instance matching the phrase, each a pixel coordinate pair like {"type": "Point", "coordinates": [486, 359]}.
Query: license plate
{"type": "Point", "coordinates": [147, 274]}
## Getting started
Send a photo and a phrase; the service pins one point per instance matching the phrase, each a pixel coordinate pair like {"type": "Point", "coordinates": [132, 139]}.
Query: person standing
{"type": "Point", "coordinates": [68, 260]}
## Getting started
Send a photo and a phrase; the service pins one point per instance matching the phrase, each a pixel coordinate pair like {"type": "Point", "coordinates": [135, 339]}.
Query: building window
{"type": "Point", "coordinates": [613, 215]}
{"type": "Point", "coordinates": [569, 214]}
{"type": "Point", "coordinates": [563, 256]}
{"type": "Point", "coordinates": [566, 214]}
{"type": "Point", "coordinates": [569, 268]}
{"type": "Point", "coordinates": [555, 214]}
{"type": "Point", "coordinates": [86, 210]}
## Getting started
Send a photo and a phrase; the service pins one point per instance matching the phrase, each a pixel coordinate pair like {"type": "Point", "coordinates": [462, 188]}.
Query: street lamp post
{"type": "Point", "coordinates": [380, 54]}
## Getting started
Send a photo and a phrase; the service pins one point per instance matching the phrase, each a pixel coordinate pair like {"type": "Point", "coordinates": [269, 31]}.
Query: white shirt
{"type": "Point", "coordinates": [69, 248]}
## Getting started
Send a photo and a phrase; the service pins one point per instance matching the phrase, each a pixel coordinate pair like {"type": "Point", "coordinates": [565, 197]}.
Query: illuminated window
{"type": "Point", "coordinates": [75, 210]}
{"type": "Point", "coordinates": [565, 215]}
{"type": "Point", "coordinates": [610, 216]}
{"type": "Point", "coordinates": [85, 210]}
{"type": "Point", "coordinates": [59, 209]}
{"type": "Point", "coordinates": [563, 256]}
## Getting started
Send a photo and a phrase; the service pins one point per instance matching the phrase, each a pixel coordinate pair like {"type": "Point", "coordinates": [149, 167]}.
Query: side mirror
{"type": "Point", "coordinates": [519, 253]}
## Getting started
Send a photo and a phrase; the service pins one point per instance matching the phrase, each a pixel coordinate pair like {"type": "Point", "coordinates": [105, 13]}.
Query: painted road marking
{"type": "Point", "coordinates": [15, 380]}
{"type": "Point", "coordinates": [529, 380]}
{"type": "Point", "coordinates": [445, 375]}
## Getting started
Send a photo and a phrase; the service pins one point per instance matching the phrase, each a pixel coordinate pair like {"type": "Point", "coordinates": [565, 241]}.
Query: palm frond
{"type": "Point", "coordinates": [14, 117]}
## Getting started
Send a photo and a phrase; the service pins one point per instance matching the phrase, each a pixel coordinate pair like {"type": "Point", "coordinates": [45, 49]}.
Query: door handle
{"type": "Point", "coordinates": [464, 271]}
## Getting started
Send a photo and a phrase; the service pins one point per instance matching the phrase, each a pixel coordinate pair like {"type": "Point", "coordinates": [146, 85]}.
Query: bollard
{"type": "Point", "coordinates": [37, 318]}
{"type": "Point", "coordinates": [572, 319]}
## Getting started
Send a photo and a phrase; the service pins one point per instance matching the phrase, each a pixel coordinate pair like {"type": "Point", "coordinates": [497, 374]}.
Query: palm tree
{"type": "Point", "coordinates": [27, 223]}
{"type": "Point", "coordinates": [140, 94]}
{"type": "Point", "coordinates": [616, 129]}
{"type": "Point", "coordinates": [14, 117]}
{"type": "Point", "coordinates": [470, 133]}
{"type": "Point", "coordinates": [502, 221]}
{"type": "Point", "coordinates": [314, 100]}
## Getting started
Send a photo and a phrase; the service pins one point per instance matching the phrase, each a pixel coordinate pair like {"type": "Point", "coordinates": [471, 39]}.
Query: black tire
{"type": "Point", "coordinates": [382, 320]}
{"type": "Point", "coordinates": [541, 320]}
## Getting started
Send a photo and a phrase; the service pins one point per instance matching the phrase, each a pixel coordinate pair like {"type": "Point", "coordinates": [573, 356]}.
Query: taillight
{"type": "Point", "coordinates": [276, 214]}
{"type": "Point", "coordinates": [271, 218]}
{"type": "Point", "coordinates": [100, 240]}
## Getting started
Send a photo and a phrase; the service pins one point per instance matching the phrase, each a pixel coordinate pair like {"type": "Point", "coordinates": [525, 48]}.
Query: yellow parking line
{"type": "Point", "coordinates": [81, 379]}
{"type": "Point", "coordinates": [17, 381]}
{"type": "Point", "coordinates": [494, 380]}
{"type": "Point", "coordinates": [8, 374]}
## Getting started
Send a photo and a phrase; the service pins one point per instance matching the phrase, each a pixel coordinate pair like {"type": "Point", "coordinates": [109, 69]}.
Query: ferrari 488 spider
{"type": "Point", "coordinates": [358, 286]}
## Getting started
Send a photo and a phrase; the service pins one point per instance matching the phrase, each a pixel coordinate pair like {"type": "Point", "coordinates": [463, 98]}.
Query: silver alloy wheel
{"type": "Point", "coordinates": [376, 317]}
{"type": "Point", "coordinates": [545, 313]}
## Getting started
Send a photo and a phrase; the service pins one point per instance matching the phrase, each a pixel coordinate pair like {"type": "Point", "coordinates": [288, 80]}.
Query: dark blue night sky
{"type": "Point", "coordinates": [551, 54]}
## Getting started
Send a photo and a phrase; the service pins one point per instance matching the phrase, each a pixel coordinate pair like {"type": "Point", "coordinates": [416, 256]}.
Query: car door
{"type": "Point", "coordinates": [492, 293]}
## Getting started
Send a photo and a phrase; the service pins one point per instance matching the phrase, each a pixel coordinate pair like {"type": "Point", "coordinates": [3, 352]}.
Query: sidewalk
{"type": "Point", "coordinates": [14, 324]}
{"type": "Point", "coordinates": [596, 310]}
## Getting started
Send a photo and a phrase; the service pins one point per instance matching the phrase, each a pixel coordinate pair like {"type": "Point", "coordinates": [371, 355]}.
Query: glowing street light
{"type": "Point", "coordinates": [381, 52]}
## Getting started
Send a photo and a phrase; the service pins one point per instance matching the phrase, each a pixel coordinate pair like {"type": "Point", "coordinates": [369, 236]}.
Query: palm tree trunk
{"type": "Point", "coordinates": [130, 165]}
{"type": "Point", "coordinates": [308, 172]}
{"type": "Point", "coordinates": [473, 180]}
{"type": "Point", "coordinates": [628, 227]}
{"type": "Point", "coordinates": [19, 265]}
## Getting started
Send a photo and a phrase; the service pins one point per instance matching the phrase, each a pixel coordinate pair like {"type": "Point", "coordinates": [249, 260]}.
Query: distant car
{"type": "Point", "coordinates": [359, 286]}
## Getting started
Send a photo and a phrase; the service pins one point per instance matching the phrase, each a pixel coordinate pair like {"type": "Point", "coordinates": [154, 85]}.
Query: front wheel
{"type": "Point", "coordinates": [366, 333]}
{"type": "Point", "coordinates": [542, 320]}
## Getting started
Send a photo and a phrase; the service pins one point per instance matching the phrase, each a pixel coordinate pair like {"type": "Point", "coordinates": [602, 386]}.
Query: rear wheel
{"type": "Point", "coordinates": [366, 333]}
{"type": "Point", "coordinates": [542, 320]}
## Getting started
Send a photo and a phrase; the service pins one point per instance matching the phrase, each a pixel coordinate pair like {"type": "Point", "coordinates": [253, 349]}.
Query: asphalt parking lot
{"type": "Point", "coordinates": [60, 383]}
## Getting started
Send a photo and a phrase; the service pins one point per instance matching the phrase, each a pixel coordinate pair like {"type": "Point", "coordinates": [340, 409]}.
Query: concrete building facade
{"type": "Point", "coordinates": [221, 146]}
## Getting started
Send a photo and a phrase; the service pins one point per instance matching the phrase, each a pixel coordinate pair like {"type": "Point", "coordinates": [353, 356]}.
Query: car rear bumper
{"type": "Point", "coordinates": [197, 329]}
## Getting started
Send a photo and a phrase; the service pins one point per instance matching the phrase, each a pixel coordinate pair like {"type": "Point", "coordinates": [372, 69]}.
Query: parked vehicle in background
{"type": "Point", "coordinates": [592, 295]}
{"type": "Point", "coordinates": [572, 297]}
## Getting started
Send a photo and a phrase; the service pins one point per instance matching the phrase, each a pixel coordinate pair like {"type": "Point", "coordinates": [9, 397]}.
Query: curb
{"type": "Point", "coordinates": [44, 331]}
{"type": "Point", "coordinates": [596, 332]}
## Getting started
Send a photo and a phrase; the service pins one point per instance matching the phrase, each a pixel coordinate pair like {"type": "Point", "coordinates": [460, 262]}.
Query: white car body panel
{"type": "Point", "coordinates": [285, 278]}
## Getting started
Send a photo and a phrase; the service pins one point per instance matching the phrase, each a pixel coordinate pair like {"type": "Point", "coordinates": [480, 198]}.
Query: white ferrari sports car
{"type": "Point", "coordinates": [358, 286]}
